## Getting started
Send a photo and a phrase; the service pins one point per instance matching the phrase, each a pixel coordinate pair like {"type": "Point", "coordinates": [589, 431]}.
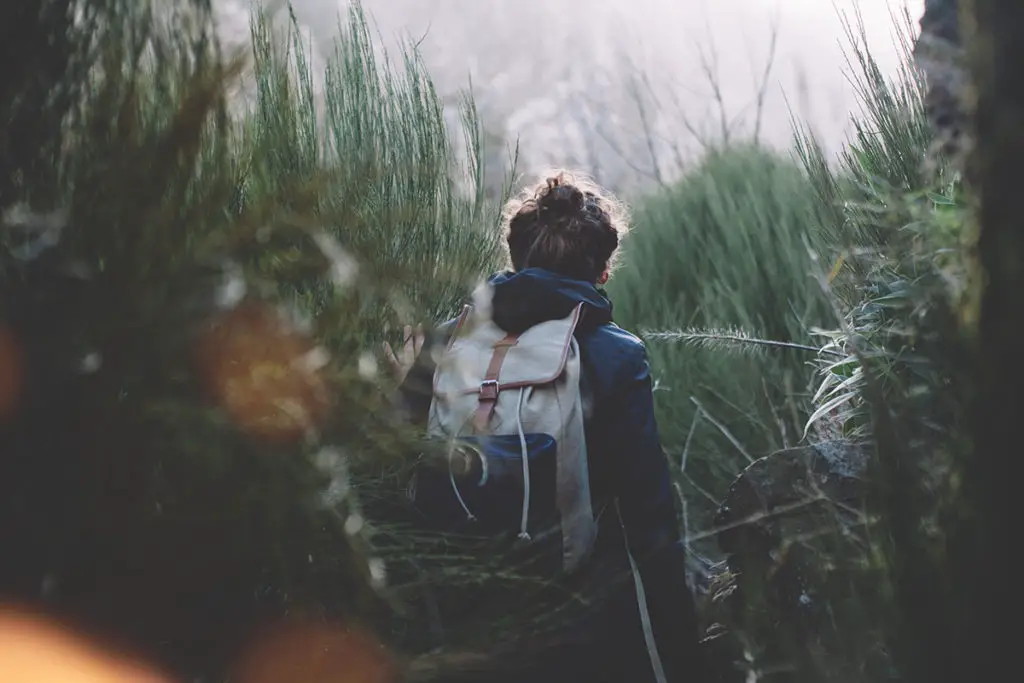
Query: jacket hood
{"type": "Point", "coordinates": [534, 295]}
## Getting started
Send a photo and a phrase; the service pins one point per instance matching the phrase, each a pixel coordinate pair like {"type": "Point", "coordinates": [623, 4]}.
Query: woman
{"type": "Point", "coordinates": [563, 238]}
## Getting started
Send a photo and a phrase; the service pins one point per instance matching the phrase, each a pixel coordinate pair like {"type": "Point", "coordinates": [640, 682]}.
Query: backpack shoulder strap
{"type": "Point", "coordinates": [642, 604]}
{"type": "Point", "coordinates": [488, 397]}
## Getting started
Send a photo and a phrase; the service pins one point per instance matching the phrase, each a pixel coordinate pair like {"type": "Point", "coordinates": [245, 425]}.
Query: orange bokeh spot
{"type": "Point", "coordinates": [35, 650]}
{"type": "Point", "coordinates": [314, 653]}
{"type": "Point", "coordinates": [11, 372]}
{"type": "Point", "coordinates": [263, 372]}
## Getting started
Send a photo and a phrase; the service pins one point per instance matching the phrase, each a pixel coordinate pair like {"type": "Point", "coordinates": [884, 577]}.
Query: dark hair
{"type": "Point", "coordinates": [567, 225]}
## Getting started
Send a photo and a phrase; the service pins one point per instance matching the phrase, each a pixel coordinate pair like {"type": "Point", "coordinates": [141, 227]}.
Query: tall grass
{"type": "Point", "coordinates": [891, 374]}
{"type": "Point", "coordinates": [398, 197]}
{"type": "Point", "coordinates": [902, 230]}
{"type": "Point", "coordinates": [339, 197]}
{"type": "Point", "coordinates": [724, 256]}
{"type": "Point", "coordinates": [173, 509]}
{"type": "Point", "coordinates": [391, 190]}
{"type": "Point", "coordinates": [896, 219]}
{"type": "Point", "coordinates": [863, 257]}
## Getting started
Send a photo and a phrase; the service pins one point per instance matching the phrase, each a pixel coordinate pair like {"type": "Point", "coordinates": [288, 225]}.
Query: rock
{"type": "Point", "coordinates": [778, 494]}
{"type": "Point", "coordinates": [800, 577]}
{"type": "Point", "coordinates": [940, 55]}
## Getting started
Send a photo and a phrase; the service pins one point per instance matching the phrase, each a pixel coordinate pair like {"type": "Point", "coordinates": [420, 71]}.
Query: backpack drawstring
{"type": "Point", "coordinates": [523, 532]}
{"type": "Point", "coordinates": [455, 487]}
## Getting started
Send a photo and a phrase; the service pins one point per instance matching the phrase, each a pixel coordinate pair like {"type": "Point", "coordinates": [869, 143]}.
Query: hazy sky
{"type": "Point", "coordinates": [554, 71]}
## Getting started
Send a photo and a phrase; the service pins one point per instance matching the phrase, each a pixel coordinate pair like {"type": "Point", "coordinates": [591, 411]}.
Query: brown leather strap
{"type": "Point", "coordinates": [489, 388]}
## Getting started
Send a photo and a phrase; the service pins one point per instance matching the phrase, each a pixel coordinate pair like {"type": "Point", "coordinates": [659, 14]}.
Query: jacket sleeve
{"type": "Point", "coordinates": [648, 511]}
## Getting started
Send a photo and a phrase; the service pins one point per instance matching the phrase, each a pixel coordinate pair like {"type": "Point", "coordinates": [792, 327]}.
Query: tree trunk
{"type": "Point", "coordinates": [997, 169]}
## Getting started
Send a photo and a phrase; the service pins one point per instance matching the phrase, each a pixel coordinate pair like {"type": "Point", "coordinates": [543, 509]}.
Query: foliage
{"type": "Point", "coordinates": [896, 230]}
{"type": "Point", "coordinates": [184, 325]}
{"type": "Point", "coordinates": [730, 247]}
{"type": "Point", "coordinates": [194, 276]}
{"type": "Point", "coordinates": [892, 373]}
{"type": "Point", "coordinates": [888, 222]}
{"type": "Point", "coordinates": [399, 199]}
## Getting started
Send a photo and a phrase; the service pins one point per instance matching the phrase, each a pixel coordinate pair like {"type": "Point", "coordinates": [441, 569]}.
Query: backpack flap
{"type": "Point", "coordinates": [481, 354]}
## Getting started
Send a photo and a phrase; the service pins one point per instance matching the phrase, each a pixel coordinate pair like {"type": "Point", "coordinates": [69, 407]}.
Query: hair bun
{"type": "Point", "coordinates": [561, 199]}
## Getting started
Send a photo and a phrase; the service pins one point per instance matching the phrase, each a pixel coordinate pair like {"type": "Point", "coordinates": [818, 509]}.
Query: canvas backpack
{"type": "Point", "coordinates": [508, 415]}
{"type": "Point", "coordinates": [507, 411]}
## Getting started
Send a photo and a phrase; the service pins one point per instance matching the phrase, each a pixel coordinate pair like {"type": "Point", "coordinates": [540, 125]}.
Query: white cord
{"type": "Point", "coordinates": [455, 487]}
{"type": "Point", "coordinates": [523, 525]}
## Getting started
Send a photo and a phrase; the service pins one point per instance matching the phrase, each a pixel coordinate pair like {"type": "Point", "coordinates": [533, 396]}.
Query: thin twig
{"type": "Point", "coordinates": [707, 59]}
{"type": "Point", "coordinates": [722, 428]}
{"type": "Point", "coordinates": [624, 157]}
{"type": "Point", "coordinates": [762, 89]}
{"type": "Point", "coordinates": [775, 414]}
{"type": "Point", "coordinates": [759, 517]}
{"type": "Point", "coordinates": [686, 516]}
{"type": "Point", "coordinates": [645, 124]}
{"type": "Point", "coordinates": [702, 491]}
{"type": "Point", "coordinates": [691, 128]}
{"type": "Point", "coordinates": [689, 440]}
{"type": "Point", "coordinates": [682, 469]}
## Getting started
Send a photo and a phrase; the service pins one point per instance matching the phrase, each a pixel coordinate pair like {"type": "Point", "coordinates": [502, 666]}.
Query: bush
{"type": "Point", "coordinates": [186, 386]}
{"type": "Point", "coordinates": [724, 256]}
{"type": "Point", "coordinates": [866, 255]}
{"type": "Point", "coordinates": [191, 296]}
{"type": "Point", "coordinates": [891, 375]}
{"type": "Point", "coordinates": [397, 197]}
{"type": "Point", "coordinates": [900, 224]}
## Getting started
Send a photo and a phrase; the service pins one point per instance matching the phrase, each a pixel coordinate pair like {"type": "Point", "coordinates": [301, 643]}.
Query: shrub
{"type": "Point", "coordinates": [891, 374]}
{"type": "Point", "coordinates": [724, 256]}
{"type": "Point", "coordinates": [185, 318]}
{"type": "Point", "coordinates": [899, 221]}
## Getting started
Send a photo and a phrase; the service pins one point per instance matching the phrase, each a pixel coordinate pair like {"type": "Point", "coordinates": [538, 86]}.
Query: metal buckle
{"type": "Point", "coordinates": [489, 390]}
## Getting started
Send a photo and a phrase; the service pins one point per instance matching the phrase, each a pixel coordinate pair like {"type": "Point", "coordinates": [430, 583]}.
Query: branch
{"type": "Point", "coordinates": [596, 125]}
{"type": "Point", "coordinates": [762, 86]}
{"type": "Point", "coordinates": [649, 134]}
{"type": "Point", "coordinates": [708, 61]}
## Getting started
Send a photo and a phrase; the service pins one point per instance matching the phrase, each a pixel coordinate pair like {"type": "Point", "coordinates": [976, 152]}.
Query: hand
{"type": "Point", "coordinates": [400, 366]}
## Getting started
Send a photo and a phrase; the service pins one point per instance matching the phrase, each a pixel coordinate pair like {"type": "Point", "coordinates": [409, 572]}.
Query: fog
{"type": "Point", "coordinates": [630, 89]}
